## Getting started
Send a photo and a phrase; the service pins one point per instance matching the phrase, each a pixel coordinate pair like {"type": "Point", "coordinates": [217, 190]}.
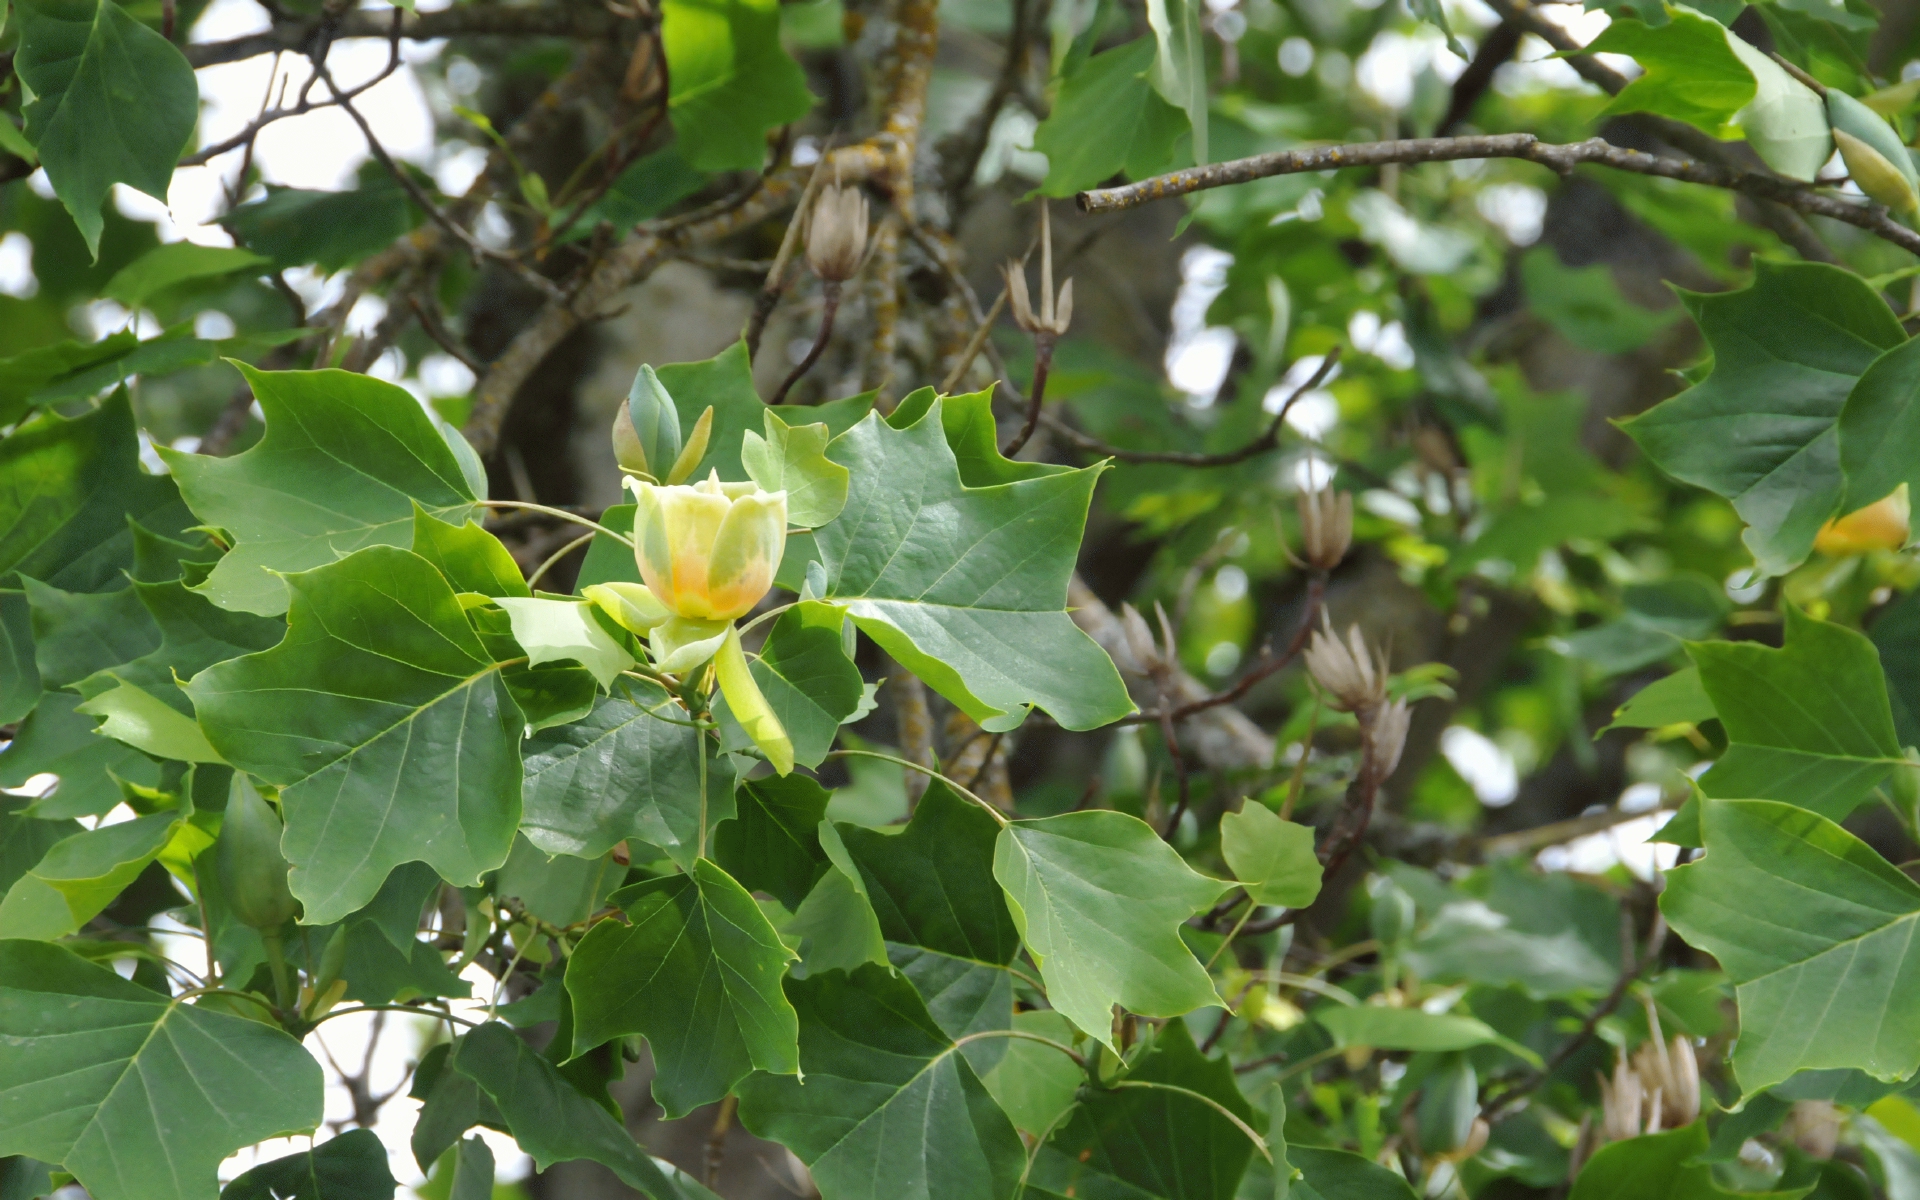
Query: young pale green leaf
{"type": "Point", "coordinates": [1691, 72]}
{"type": "Point", "coordinates": [1761, 429]}
{"type": "Point", "coordinates": [967, 586]}
{"type": "Point", "coordinates": [1108, 119]}
{"type": "Point", "coordinates": [57, 740]}
{"type": "Point", "coordinates": [131, 714]}
{"type": "Point", "coordinates": [138, 1096]}
{"type": "Point", "coordinates": [91, 128]}
{"type": "Point", "coordinates": [1406, 1028]}
{"type": "Point", "coordinates": [793, 459]}
{"type": "Point", "coordinates": [1034, 1083]}
{"type": "Point", "coordinates": [1099, 900]}
{"type": "Point", "coordinates": [549, 1117]}
{"type": "Point", "coordinates": [695, 969]}
{"type": "Point", "coordinates": [352, 1166]}
{"type": "Point", "coordinates": [1180, 64]}
{"type": "Point", "coordinates": [888, 1109]}
{"type": "Point", "coordinates": [384, 723]}
{"type": "Point", "coordinates": [344, 461]}
{"type": "Point", "coordinates": [81, 875]}
{"type": "Point", "coordinates": [807, 680]}
{"type": "Point", "coordinates": [1675, 699]}
{"type": "Point", "coordinates": [472, 559]}
{"type": "Point", "coordinates": [565, 631]}
{"type": "Point", "coordinates": [69, 489]}
{"type": "Point", "coordinates": [835, 925]}
{"type": "Point", "coordinates": [174, 263]}
{"type": "Point", "coordinates": [1659, 1166]}
{"type": "Point", "coordinates": [1786, 122]}
{"type": "Point", "coordinates": [628, 769]}
{"type": "Point", "coordinates": [773, 844]}
{"type": "Point", "coordinates": [733, 83]}
{"type": "Point", "coordinates": [1273, 858]}
{"type": "Point", "coordinates": [1194, 1153]}
{"type": "Point", "coordinates": [1816, 931]}
{"type": "Point", "coordinates": [1808, 723]}
{"type": "Point", "coordinates": [933, 885]}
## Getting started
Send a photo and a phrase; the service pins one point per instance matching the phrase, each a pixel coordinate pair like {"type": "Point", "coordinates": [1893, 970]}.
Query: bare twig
{"type": "Point", "coordinates": [300, 108]}
{"type": "Point", "coordinates": [434, 328]}
{"type": "Point", "coordinates": [584, 22]}
{"type": "Point", "coordinates": [829, 306]}
{"type": "Point", "coordinates": [776, 283]}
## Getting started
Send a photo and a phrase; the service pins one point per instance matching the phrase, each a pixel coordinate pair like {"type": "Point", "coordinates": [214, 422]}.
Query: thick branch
{"type": "Point", "coordinates": [583, 21]}
{"type": "Point", "coordinates": [1560, 158]}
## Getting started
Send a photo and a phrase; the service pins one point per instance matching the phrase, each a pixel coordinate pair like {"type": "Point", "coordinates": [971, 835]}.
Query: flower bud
{"type": "Point", "coordinates": [709, 551]}
{"type": "Point", "coordinates": [646, 430]}
{"type": "Point", "coordinates": [1326, 527]}
{"type": "Point", "coordinates": [1346, 670]}
{"type": "Point", "coordinates": [1882, 525]}
{"type": "Point", "coordinates": [253, 872]}
{"type": "Point", "coordinates": [1875, 156]}
{"type": "Point", "coordinates": [837, 235]}
{"type": "Point", "coordinates": [1387, 737]}
{"type": "Point", "coordinates": [681, 644]}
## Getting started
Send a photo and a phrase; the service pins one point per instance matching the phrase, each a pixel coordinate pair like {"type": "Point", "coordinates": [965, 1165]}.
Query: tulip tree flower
{"type": "Point", "coordinates": [708, 553]}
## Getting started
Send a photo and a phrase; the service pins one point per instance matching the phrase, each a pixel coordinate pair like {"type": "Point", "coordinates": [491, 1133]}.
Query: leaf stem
{"type": "Point", "coordinates": [955, 784]}
{"type": "Point", "coordinates": [1022, 1034]}
{"type": "Point", "coordinates": [557, 555]}
{"type": "Point", "coordinates": [1259, 1143]}
{"type": "Point", "coordinates": [564, 515]}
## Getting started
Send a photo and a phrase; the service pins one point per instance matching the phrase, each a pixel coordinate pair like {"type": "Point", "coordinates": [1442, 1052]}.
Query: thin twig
{"type": "Point", "coordinates": [776, 282]}
{"type": "Point", "coordinates": [829, 306]}
{"type": "Point", "coordinates": [1043, 343]}
{"type": "Point", "coordinates": [431, 325]}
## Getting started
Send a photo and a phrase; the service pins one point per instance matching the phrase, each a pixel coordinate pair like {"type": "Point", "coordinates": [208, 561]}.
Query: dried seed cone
{"type": "Point", "coordinates": [837, 236]}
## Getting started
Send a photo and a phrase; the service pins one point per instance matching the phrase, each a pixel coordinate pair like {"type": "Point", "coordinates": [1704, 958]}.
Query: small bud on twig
{"type": "Point", "coordinates": [1326, 527]}
{"type": "Point", "coordinates": [1053, 318]}
{"type": "Point", "coordinates": [1347, 670]}
{"type": "Point", "coordinates": [837, 236]}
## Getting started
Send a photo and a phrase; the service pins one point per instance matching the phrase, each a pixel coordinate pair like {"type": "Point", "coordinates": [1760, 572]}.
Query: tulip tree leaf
{"type": "Point", "coordinates": [1195, 1153]}
{"type": "Point", "coordinates": [696, 969]}
{"type": "Point", "coordinates": [1275, 859]}
{"type": "Point", "coordinates": [1342, 1175]}
{"type": "Point", "coordinates": [1672, 700]}
{"type": "Point", "coordinates": [57, 740]}
{"type": "Point", "coordinates": [1658, 1166]}
{"type": "Point", "coordinates": [1406, 1029]}
{"type": "Point", "coordinates": [967, 586]}
{"type": "Point", "coordinates": [352, 1166]}
{"type": "Point", "coordinates": [80, 875]}
{"type": "Point", "coordinates": [24, 839]}
{"type": "Point", "coordinates": [1690, 70]}
{"type": "Point", "coordinates": [1809, 723]}
{"type": "Point", "coordinates": [932, 885]}
{"type": "Point", "coordinates": [138, 1096]}
{"type": "Point", "coordinates": [194, 634]}
{"type": "Point", "coordinates": [963, 996]}
{"type": "Point", "coordinates": [1099, 898]}
{"type": "Point", "coordinates": [807, 679]}
{"type": "Point", "coordinates": [90, 128]}
{"type": "Point", "coordinates": [887, 1110]}
{"type": "Point", "coordinates": [69, 487]}
{"type": "Point", "coordinates": [550, 1118]}
{"type": "Point", "coordinates": [622, 772]}
{"type": "Point", "coordinates": [343, 462]}
{"type": "Point", "coordinates": [174, 263]}
{"type": "Point", "coordinates": [793, 459]}
{"type": "Point", "coordinates": [19, 677]}
{"type": "Point", "coordinates": [1816, 931]}
{"type": "Point", "coordinates": [1107, 119]}
{"type": "Point", "coordinates": [565, 631]}
{"type": "Point", "coordinates": [142, 720]}
{"type": "Point", "coordinates": [773, 844]}
{"type": "Point", "coordinates": [384, 723]}
{"type": "Point", "coordinates": [1762, 428]}
{"type": "Point", "coordinates": [1034, 1083]}
{"type": "Point", "coordinates": [472, 559]}
{"type": "Point", "coordinates": [78, 633]}
{"type": "Point", "coordinates": [732, 81]}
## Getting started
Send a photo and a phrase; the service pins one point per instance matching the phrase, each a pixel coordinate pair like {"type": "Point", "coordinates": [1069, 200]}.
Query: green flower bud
{"type": "Point", "coordinates": [646, 430]}
{"type": "Point", "coordinates": [253, 872]}
{"type": "Point", "coordinates": [1874, 154]}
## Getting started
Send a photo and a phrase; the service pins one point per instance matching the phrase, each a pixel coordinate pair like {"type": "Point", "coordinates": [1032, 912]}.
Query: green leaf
{"type": "Point", "coordinates": [384, 723]}
{"type": "Point", "coordinates": [552, 693]}
{"type": "Point", "coordinates": [379, 971]}
{"type": "Point", "coordinates": [773, 844]}
{"type": "Point", "coordinates": [1786, 122]}
{"type": "Point", "coordinates": [295, 227]}
{"type": "Point", "coordinates": [724, 383]}
{"type": "Point", "coordinates": [344, 459]}
{"type": "Point", "coordinates": [963, 996]}
{"type": "Point", "coordinates": [1816, 931]}
{"type": "Point", "coordinates": [966, 587]}
{"type": "Point", "coordinates": [1108, 119]}
{"type": "Point", "coordinates": [1585, 304]}
{"type": "Point", "coordinates": [1691, 71]}
{"type": "Point", "coordinates": [807, 679]}
{"type": "Point", "coordinates": [24, 840]}
{"type": "Point", "coordinates": [1896, 635]}
{"type": "Point", "coordinates": [932, 885]}
{"type": "Point", "coordinates": [620, 773]}
{"type": "Point", "coordinates": [68, 488]}
{"type": "Point", "coordinates": [138, 1096]}
{"type": "Point", "coordinates": [78, 633]}
{"type": "Point", "coordinates": [1676, 699]}
{"type": "Point", "coordinates": [1658, 1166]}
{"type": "Point", "coordinates": [732, 82]}
{"type": "Point", "coordinates": [696, 970]}
{"type": "Point", "coordinates": [1034, 1083]}
{"type": "Point", "coordinates": [174, 263]}
{"type": "Point", "coordinates": [1193, 1152]}
{"type": "Point", "coordinates": [793, 458]}
{"type": "Point", "coordinates": [352, 1166]}
{"type": "Point", "coordinates": [1408, 1029]}
{"type": "Point", "coordinates": [610, 560]}
{"type": "Point", "coordinates": [1180, 64]}
{"type": "Point", "coordinates": [142, 720]}
{"type": "Point", "coordinates": [835, 926]}
{"type": "Point", "coordinates": [1339, 1175]}
{"type": "Point", "coordinates": [15, 143]}
{"type": "Point", "coordinates": [55, 739]}
{"type": "Point", "coordinates": [1099, 900]}
{"type": "Point", "coordinates": [1761, 430]}
{"type": "Point", "coordinates": [19, 677]}
{"type": "Point", "coordinates": [566, 631]}
{"type": "Point", "coordinates": [91, 128]}
{"type": "Point", "coordinates": [1808, 723]}
{"type": "Point", "coordinates": [888, 1110]}
{"type": "Point", "coordinates": [472, 559]}
{"type": "Point", "coordinates": [80, 875]}
{"type": "Point", "coordinates": [550, 1119]}
{"type": "Point", "coordinates": [194, 634]}
{"type": "Point", "coordinates": [1273, 858]}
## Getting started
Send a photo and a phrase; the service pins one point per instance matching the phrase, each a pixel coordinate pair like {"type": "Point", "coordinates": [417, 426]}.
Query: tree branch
{"type": "Point", "coordinates": [585, 22]}
{"type": "Point", "coordinates": [1560, 158]}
